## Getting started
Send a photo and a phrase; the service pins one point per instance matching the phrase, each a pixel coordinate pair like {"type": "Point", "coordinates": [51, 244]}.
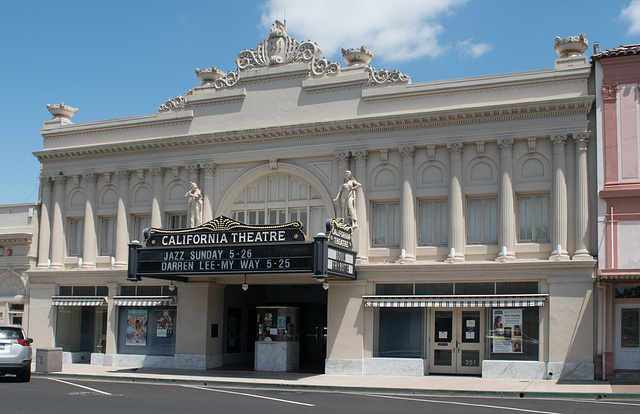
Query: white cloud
{"type": "Point", "coordinates": [631, 13]}
{"type": "Point", "coordinates": [474, 50]}
{"type": "Point", "coordinates": [395, 31]}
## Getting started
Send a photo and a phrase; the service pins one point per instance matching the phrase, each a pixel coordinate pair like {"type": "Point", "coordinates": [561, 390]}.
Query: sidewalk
{"type": "Point", "coordinates": [427, 385]}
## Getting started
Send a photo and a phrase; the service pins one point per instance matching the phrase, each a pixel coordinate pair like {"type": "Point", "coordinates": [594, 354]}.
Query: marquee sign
{"type": "Point", "coordinates": [226, 246]}
{"type": "Point", "coordinates": [340, 233]}
{"type": "Point", "coordinates": [226, 231]}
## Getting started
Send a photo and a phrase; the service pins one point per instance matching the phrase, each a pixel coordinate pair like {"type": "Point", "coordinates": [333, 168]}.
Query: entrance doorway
{"type": "Point", "coordinates": [627, 337]}
{"type": "Point", "coordinates": [456, 341]}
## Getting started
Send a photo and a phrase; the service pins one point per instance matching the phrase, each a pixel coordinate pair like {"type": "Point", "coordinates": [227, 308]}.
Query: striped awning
{"type": "Point", "coordinates": [144, 300]}
{"type": "Point", "coordinates": [466, 301]}
{"type": "Point", "coordinates": [78, 301]}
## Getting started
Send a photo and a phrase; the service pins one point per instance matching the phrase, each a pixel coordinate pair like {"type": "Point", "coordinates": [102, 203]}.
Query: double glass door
{"type": "Point", "coordinates": [456, 341]}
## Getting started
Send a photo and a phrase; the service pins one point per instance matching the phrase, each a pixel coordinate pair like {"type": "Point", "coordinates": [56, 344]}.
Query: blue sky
{"type": "Point", "coordinates": [124, 58]}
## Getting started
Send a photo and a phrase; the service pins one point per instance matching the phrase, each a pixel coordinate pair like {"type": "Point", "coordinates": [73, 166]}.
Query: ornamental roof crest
{"type": "Point", "coordinates": [277, 49]}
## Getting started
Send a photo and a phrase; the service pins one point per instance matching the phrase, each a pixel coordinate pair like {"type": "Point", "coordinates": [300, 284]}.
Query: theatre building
{"type": "Point", "coordinates": [469, 202]}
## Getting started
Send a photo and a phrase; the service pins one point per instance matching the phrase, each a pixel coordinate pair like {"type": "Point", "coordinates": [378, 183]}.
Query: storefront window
{"type": "Point", "coordinates": [399, 333]}
{"type": "Point", "coordinates": [513, 334]}
{"type": "Point", "coordinates": [146, 331]}
{"type": "Point", "coordinates": [81, 328]}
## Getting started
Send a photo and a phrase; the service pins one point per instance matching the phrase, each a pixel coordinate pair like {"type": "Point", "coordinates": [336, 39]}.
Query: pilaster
{"type": "Point", "coordinates": [158, 193]}
{"type": "Point", "coordinates": [408, 216]}
{"type": "Point", "coordinates": [559, 212]}
{"type": "Point", "coordinates": [90, 242]}
{"type": "Point", "coordinates": [456, 208]}
{"type": "Point", "coordinates": [44, 238]}
{"type": "Point", "coordinates": [361, 235]}
{"type": "Point", "coordinates": [57, 230]}
{"type": "Point", "coordinates": [209, 170]}
{"type": "Point", "coordinates": [507, 230]}
{"type": "Point", "coordinates": [581, 140]}
{"type": "Point", "coordinates": [122, 229]}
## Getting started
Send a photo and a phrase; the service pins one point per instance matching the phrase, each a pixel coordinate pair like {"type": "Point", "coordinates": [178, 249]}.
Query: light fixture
{"type": "Point", "coordinates": [325, 285]}
{"type": "Point", "coordinates": [172, 287]}
{"type": "Point", "coordinates": [79, 262]}
{"type": "Point", "coordinates": [245, 286]}
{"type": "Point", "coordinates": [320, 279]}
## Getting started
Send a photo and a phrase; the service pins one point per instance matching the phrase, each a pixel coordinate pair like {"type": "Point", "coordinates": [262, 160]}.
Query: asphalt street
{"type": "Point", "coordinates": [81, 396]}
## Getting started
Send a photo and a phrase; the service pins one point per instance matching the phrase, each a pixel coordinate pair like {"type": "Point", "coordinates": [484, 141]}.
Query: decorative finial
{"type": "Point", "coordinates": [62, 111]}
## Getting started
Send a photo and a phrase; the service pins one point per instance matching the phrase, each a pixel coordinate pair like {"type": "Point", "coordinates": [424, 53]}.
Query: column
{"type": "Point", "coordinates": [559, 211]}
{"type": "Point", "coordinates": [44, 238]}
{"type": "Point", "coordinates": [361, 239]}
{"type": "Point", "coordinates": [209, 170]}
{"type": "Point", "coordinates": [122, 226]}
{"type": "Point", "coordinates": [407, 208]}
{"type": "Point", "coordinates": [507, 235]}
{"type": "Point", "coordinates": [158, 194]}
{"type": "Point", "coordinates": [582, 198]}
{"type": "Point", "coordinates": [456, 207]}
{"type": "Point", "coordinates": [90, 244]}
{"type": "Point", "coordinates": [57, 227]}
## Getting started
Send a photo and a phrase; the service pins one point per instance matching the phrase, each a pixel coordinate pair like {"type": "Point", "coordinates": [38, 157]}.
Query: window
{"type": "Point", "coordinates": [177, 221]}
{"type": "Point", "coordinates": [139, 224]}
{"type": "Point", "coordinates": [534, 218]}
{"type": "Point", "coordinates": [433, 222]}
{"type": "Point", "coordinates": [83, 290]}
{"type": "Point", "coordinates": [107, 236]}
{"type": "Point", "coordinates": [279, 216]}
{"type": "Point", "coordinates": [399, 333]}
{"type": "Point", "coordinates": [386, 224]}
{"type": "Point", "coordinates": [76, 237]}
{"type": "Point", "coordinates": [482, 220]}
{"type": "Point", "coordinates": [278, 199]}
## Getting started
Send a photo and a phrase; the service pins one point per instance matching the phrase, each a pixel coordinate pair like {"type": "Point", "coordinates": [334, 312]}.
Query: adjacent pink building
{"type": "Point", "coordinates": [617, 80]}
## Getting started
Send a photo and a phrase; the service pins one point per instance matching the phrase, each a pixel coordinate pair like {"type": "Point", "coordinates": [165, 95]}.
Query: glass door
{"type": "Point", "coordinates": [627, 340]}
{"type": "Point", "coordinates": [455, 341]}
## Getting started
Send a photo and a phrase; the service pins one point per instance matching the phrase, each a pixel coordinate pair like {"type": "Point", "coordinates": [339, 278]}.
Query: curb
{"type": "Point", "coordinates": [341, 388]}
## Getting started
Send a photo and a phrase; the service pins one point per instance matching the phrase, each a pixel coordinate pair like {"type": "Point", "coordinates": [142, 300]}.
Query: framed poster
{"type": "Point", "coordinates": [507, 331]}
{"type": "Point", "coordinates": [136, 327]}
{"type": "Point", "coordinates": [165, 324]}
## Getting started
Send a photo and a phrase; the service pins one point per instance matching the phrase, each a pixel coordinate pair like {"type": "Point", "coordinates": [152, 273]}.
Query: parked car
{"type": "Point", "coordinates": [15, 352]}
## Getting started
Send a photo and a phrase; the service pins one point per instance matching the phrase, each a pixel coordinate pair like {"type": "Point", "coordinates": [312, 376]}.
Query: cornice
{"type": "Point", "coordinates": [536, 266]}
{"type": "Point", "coordinates": [16, 239]}
{"type": "Point", "coordinates": [370, 125]}
{"type": "Point", "coordinates": [165, 119]}
{"type": "Point", "coordinates": [487, 84]}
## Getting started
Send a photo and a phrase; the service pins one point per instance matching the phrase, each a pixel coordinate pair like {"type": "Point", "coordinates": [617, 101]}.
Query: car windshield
{"type": "Point", "coordinates": [10, 333]}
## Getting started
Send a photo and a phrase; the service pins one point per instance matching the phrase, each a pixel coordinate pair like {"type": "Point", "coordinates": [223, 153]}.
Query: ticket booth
{"type": "Point", "coordinates": [278, 344]}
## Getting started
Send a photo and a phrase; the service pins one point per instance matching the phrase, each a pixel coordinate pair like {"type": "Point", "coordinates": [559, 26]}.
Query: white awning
{"type": "Point", "coordinates": [78, 301]}
{"type": "Point", "coordinates": [144, 300]}
{"type": "Point", "coordinates": [467, 301]}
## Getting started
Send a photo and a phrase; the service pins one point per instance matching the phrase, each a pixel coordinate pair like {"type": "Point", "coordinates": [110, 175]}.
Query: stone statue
{"type": "Point", "coordinates": [346, 199]}
{"type": "Point", "coordinates": [194, 200]}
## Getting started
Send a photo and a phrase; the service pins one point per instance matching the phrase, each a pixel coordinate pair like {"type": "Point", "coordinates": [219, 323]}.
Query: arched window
{"type": "Point", "coordinates": [281, 198]}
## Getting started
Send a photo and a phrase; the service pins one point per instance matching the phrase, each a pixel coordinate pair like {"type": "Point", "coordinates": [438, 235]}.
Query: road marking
{"type": "Point", "coordinates": [611, 402]}
{"type": "Point", "coordinates": [251, 395]}
{"type": "Point", "coordinates": [465, 404]}
{"type": "Point", "coordinates": [81, 386]}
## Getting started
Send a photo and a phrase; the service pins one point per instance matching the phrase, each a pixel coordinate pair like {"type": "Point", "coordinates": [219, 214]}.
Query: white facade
{"type": "Point", "coordinates": [18, 229]}
{"type": "Point", "coordinates": [474, 192]}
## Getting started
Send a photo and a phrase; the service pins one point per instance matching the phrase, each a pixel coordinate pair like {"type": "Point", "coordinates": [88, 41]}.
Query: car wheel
{"type": "Point", "coordinates": [24, 376]}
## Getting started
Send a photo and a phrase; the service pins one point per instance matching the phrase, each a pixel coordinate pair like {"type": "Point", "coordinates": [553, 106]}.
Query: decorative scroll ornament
{"type": "Point", "coordinates": [384, 76]}
{"type": "Point", "coordinates": [324, 67]}
{"type": "Point", "coordinates": [176, 103]}
{"type": "Point", "coordinates": [277, 49]}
